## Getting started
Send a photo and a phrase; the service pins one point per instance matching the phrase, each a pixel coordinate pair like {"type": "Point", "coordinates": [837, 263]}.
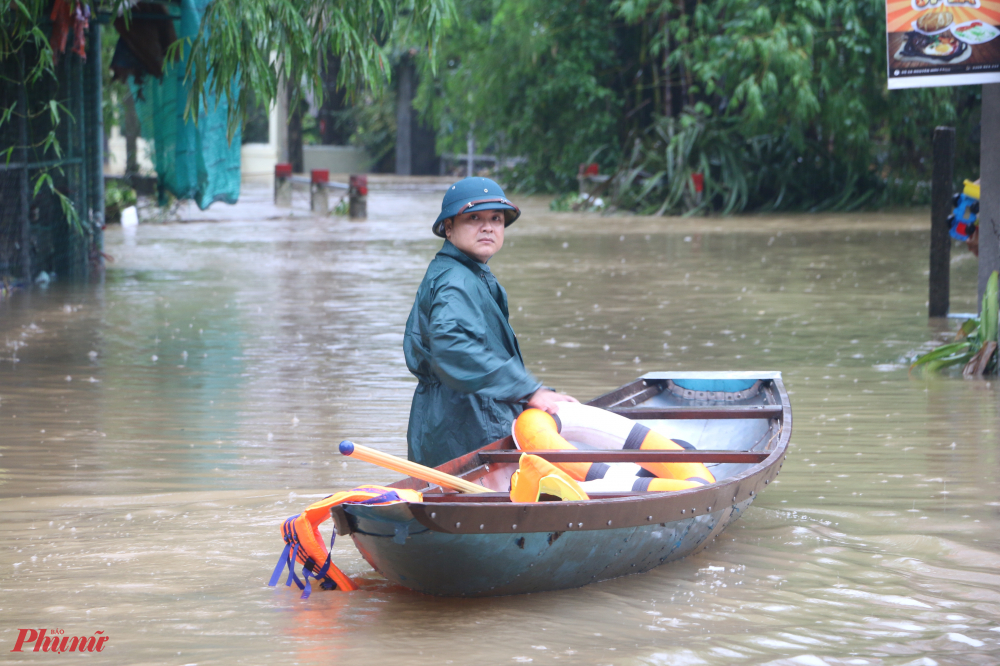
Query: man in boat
{"type": "Point", "coordinates": [472, 382]}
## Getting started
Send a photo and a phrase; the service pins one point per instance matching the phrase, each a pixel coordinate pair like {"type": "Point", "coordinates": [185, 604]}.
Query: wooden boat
{"type": "Point", "coordinates": [485, 545]}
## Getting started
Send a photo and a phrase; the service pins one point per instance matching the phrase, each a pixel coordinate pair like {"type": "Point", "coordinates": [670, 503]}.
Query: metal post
{"type": "Point", "coordinates": [280, 136]}
{"type": "Point", "coordinates": [989, 181]}
{"type": "Point", "coordinates": [318, 178]}
{"type": "Point", "coordinates": [130, 127]}
{"type": "Point", "coordinates": [97, 150]}
{"type": "Point", "coordinates": [941, 196]}
{"type": "Point", "coordinates": [295, 154]}
{"type": "Point", "coordinates": [470, 145]}
{"type": "Point", "coordinates": [283, 185]}
{"type": "Point", "coordinates": [357, 201]}
{"type": "Point", "coordinates": [405, 86]}
{"type": "Point", "coordinates": [98, 130]}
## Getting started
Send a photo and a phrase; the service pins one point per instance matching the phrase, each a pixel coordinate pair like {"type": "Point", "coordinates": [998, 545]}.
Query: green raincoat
{"type": "Point", "coordinates": [462, 350]}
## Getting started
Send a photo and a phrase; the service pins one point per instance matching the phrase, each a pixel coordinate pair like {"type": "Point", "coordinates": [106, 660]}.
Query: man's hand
{"type": "Point", "coordinates": [547, 400]}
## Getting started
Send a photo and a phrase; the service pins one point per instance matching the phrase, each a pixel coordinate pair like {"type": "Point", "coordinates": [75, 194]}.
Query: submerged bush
{"type": "Point", "coordinates": [118, 196]}
{"type": "Point", "coordinates": [975, 345]}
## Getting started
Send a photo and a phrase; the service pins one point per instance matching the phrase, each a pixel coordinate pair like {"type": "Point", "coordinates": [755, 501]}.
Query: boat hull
{"type": "Point", "coordinates": [478, 565]}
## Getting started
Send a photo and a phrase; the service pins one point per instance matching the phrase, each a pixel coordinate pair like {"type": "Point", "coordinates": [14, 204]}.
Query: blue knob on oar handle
{"type": "Point", "coordinates": [416, 470]}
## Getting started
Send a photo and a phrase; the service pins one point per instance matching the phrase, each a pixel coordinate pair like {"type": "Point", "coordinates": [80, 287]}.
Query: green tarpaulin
{"type": "Point", "coordinates": [197, 162]}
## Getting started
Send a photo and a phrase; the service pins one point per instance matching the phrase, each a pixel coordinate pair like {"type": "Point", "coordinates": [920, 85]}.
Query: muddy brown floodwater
{"type": "Point", "coordinates": [155, 431]}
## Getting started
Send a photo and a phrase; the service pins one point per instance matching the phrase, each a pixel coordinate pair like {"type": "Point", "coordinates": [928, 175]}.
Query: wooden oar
{"type": "Point", "coordinates": [413, 469]}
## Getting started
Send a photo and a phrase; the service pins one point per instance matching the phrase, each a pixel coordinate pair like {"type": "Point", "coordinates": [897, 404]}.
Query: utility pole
{"type": "Point", "coordinates": [989, 182]}
{"type": "Point", "coordinates": [941, 194]}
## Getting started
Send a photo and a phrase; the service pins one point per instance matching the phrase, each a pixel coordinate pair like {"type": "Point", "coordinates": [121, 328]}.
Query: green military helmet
{"type": "Point", "coordinates": [472, 194]}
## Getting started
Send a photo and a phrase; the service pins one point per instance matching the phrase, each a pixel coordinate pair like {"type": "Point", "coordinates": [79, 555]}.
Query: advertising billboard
{"type": "Point", "coordinates": [943, 42]}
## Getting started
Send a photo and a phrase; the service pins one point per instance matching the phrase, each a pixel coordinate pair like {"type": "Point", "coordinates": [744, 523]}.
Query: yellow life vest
{"type": "Point", "coordinates": [536, 430]}
{"type": "Point", "coordinates": [536, 477]}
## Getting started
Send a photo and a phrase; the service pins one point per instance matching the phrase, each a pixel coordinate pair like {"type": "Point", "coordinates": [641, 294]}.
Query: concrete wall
{"type": "Point", "coordinates": [115, 156]}
{"type": "Point", "coordinates": [257, 160]}
{"type": "Point", "coordinates": [338, 159]}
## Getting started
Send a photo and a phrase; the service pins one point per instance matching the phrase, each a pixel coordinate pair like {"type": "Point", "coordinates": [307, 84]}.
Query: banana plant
{"type": "Point", "coordinates": [971, 340]}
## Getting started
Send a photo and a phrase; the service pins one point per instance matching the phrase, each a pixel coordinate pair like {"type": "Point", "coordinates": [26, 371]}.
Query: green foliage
{"type": "Point", "coordinates": [971, 337]}
{"type": "Point", "coordinates": [374, 121]}
{"type": "Point", "coordinates": [798, 90]}
{"type": "Point", "coordinates": [944, 356]}
{"type": "Point", "coordinates": [113, 91]}
{"type": "Point", "coordinates": [572, 201]}
{"type": "Point", "coordinates": [658, 175]}
{"type": "Point", "coordinates": [262, 41]}
{"type": "Point", "coordinates": [989, 314]}
{"type": "Point", "coordinates": [20, 28]}
{"type": "Point", "coordinates": [532, 79]}
{"type": "Point", "coordinates": [765, 172]}
{"type": "Point", "coordinates": [310, 130]}
{"type": "Point", "coordinates": [782, 105]}
{"type": "Point", "coordinates": [257, 42]}
{"type": "Point", "coordinates": [21, 32]}
{"type": "Point", "coordinates": [343, 207]}
{"type": "Point", "coordinates": [117, 197]}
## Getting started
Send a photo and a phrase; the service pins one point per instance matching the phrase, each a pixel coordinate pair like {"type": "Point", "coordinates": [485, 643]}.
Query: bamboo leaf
{"type": "Point", "coordinates": [942, 352]}
{"type": "Point", "coordinates": [989, 309]}
{"type": "Point", "coordinates": [968, 327]}
{"type": "Point", "coordinates": [948, 361]}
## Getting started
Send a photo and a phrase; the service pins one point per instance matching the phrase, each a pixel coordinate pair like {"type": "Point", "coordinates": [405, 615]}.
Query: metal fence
{"type": "Point", "coordinates": [36, 234]}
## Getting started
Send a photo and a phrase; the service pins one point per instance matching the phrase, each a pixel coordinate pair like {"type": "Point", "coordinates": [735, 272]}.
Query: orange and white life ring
{"type": "Point", "coordinates": [576, 426]}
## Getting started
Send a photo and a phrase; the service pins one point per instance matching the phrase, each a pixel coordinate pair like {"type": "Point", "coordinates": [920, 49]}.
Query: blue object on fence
{"type": "Point", "coordinates": [962, 221]}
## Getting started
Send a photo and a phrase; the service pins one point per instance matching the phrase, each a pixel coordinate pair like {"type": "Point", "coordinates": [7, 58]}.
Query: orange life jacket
{"type": "Point", "coordinates": [304, 543]}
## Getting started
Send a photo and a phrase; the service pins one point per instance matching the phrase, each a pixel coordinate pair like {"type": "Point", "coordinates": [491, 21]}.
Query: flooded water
{"type": "Point", "coordinates": [155, 431]}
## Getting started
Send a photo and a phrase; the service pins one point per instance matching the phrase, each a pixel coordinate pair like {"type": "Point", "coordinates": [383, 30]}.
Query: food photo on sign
{"type": "Point", "coordinates": [943, 42]}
